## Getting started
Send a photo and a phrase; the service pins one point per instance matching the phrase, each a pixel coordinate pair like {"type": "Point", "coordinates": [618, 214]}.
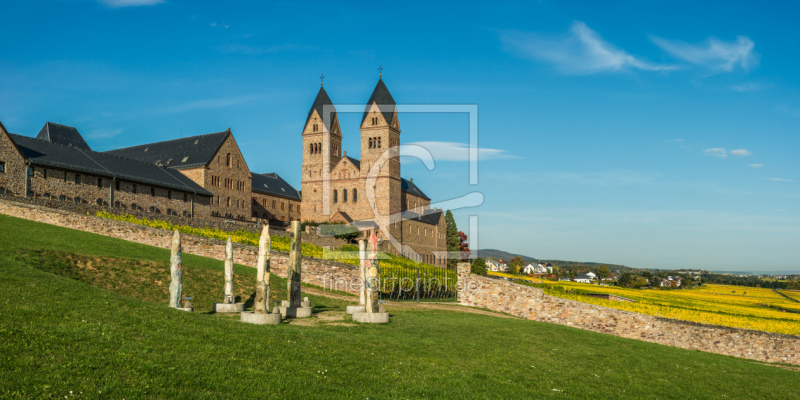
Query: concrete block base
{"type": "Point", "coordinates": [293, 312]}
{"type": "Point", "coordinates": [228, 308]}
{"type": "Point", "coordinates": [261, 319]}
{"type": "Point", "coordinates": [371, 318]}
{"type": "Point", "coordinates": [189, 309]}
{"type": "Point", "coordinates": [354, 309]}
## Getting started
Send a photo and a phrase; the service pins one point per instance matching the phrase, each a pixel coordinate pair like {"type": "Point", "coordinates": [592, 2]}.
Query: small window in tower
{"type": "Point", "coordinates": [355, 195]}
{"type": "Point", "coordinates": [344, 196]}
{"type": "Point", "coordinates": [379, 143]}
{"type": "Point", "coordinates": [335, 196]}
{"type": "Point", "coordinates": [370, 143]}
{"type": "Point", "coordinates": [230, 161]}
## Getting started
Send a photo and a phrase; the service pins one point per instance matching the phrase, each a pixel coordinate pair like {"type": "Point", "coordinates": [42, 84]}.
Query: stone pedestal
{"type": "Point", "coordinates": [293, 312]}
{"type": "Point", "coordinates": [261, 319]}
{"type": "Point", "coordinates": [189, 309]}
{"type": "Point", "coordinates": [354, 309]}
{"type": "Point", "coordinates": [228, 308]}
{"type": "Point", "coordinates": [371, 318]}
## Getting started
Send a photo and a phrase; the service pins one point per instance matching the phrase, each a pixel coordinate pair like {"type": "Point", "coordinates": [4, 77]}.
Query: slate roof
{"type": "Point", "coordinates": [274, 185]}
{"type": "Point", "coordinates": [355, 162]}
{"type": "Point", "coordinates": [410, 187]}
{"type": "Point", "coordinates": [430, 217]}
{"type": "Point", "coordinates": [62, 134]}
{"type": "Point", "coordinates": [188, 152]}
{"type": "Point", "coordinates": [45, 153]}
{"type": "Point", "coordinates": [382, 97]}
{"type": "Point", "coordinates": [321, 101]}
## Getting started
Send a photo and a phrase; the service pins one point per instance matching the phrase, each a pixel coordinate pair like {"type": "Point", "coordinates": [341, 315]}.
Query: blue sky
{"type": "Point", "coordinates": [651, 134]}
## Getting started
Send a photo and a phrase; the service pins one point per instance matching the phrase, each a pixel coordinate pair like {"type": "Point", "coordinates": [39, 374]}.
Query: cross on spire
{"type": "Point", "coordinates": [380, 71]}
{"type": "Point", "coordinates": [322, 80]}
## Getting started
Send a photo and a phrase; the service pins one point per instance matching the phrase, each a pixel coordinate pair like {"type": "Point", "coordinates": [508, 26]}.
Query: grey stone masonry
{"type": "Point", "coordinates": [531, 303]}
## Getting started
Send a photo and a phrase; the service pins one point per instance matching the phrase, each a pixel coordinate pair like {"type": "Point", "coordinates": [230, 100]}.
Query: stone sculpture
{"type": "Point", "coordinates": [176, 272]}
{"type": "Point", "coordinates": [295, 306]}
{"type": "Point", "coordinates": [229, 290]}
{"type": "Point", "coordinates": [229, 304]}
{"type": "Point", "coordinates": [362, 255]}
{"type": "Point", "coordinates": [261, 305]}
{"type": "Point", "coordinates": [373, 312]}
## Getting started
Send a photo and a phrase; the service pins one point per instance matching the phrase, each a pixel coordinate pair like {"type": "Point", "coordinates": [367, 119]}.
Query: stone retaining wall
{"type": "Point", "coordinates": [531, 303]}
{"type": "Point", "coordinates": [324, 273]}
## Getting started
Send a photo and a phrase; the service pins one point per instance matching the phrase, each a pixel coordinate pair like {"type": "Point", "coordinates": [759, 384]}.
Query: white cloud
{"type": "Point", "coordinates": [454, 151]}
{"type": "Point", "coordinates": [239, 48]}
{"type": "Point", "coordinates": [129, 3]}
{"type": "Point", "coordinates": [104, 133]}
{"type": "Point", "coordinates": [716, 152]}
{"type": "Point", "coordinates": [751, 87]}
{"type": "Point", "coordinates": [713, 53]}
{"type": "Point", "coordinates": [741, 152]}
{"type": "Point", "coordinates": [779, 180]}
{"type": "Point", "coordinates": [583, 51]}
{"type": "Point", "coordinates": [209, 104]}
{"type": "Point", "coordinates": [756, 165]}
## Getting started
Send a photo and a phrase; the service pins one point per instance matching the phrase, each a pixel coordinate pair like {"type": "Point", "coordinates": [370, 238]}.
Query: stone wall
{"type": "Point", "coordinates": [314, 271]}
{"type": "Point", "coordinates": [531, 303]}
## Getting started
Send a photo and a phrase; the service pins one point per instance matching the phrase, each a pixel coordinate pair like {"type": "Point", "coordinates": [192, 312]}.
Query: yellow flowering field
{"type": "Point", "coordinates": [734, 306]}
{"type": "Point", "coordinates": [795, 294]}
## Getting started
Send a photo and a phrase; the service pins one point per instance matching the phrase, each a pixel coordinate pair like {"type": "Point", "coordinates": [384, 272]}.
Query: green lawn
{"type": "Point", "coordinates": [101, 332]}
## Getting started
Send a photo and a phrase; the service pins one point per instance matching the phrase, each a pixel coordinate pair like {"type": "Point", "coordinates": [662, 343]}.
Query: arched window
{"type": "Point", "coordinates": [355, 195]}
{"type": "Point", "coordinates": [230, 160]}
{"type": "Point", "coordinates": [379, 143]}
{"type": "Point", "coordinates": [344, 196]}
{"type": "Point", "coordinates": [335, 196]}
{"type": "Point", "coordinates": [370, 143]}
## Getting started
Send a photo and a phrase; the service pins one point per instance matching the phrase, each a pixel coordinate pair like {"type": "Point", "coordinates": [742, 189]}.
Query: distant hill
{"type": "Point", "coordinates": [506, 256]}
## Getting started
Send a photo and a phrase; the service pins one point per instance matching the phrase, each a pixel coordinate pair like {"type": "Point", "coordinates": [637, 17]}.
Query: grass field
{"type": "Point", "coordinates": [735, 306]}
{"type": "Point", "coordinates": [82, 317]}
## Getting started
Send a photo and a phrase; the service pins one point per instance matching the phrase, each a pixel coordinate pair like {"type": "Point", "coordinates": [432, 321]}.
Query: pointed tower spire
{"type": "Point", "coordinates": [384, 100]}
{"type": "Point", "coordinates": [321, 104]}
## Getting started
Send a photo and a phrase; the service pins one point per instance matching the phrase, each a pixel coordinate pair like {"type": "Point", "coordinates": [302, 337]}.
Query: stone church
{"type": "Point", "coordinates": [369, 191]}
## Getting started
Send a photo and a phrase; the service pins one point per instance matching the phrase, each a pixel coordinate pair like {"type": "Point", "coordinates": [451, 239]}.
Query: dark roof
{"type": "Point", "coordinates": [321, 101]}
{"type": "Point", "coordinates": [44, 153]}
{"type": "Point", "coordinates": [62, 134]}
{"type": "Point", "coordinates": [430, 217]}
{"type": "Point", "coordinates": [384, 99]}
{"type": "Point", "coordinates": [274, 185]}
{"type": "Point", "coordinates": [355, 162]}
{"type": "Point", "coordinates": [410, 187]}
{"type": "Point", "coordinates": [188, 152]}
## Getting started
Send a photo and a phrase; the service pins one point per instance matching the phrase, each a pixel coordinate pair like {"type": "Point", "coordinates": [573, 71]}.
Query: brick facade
{"type": "Point", "coordinates": [531, 303]}
{"type": "Point", "coordinates": [228, 178]}
{"type": "Point", "coordinates": [274, 208]}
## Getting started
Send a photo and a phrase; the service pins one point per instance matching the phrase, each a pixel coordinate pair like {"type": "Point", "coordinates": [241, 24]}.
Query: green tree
{"type": "Point", "coordinates": [478, 266]}
{"type": "Point", "coordinates": [453, 240]}
{"type": "Point", "coordinates": [625, 279]}
{"type": "Point", "coordinates": [513, 269]}
{"type": "Point", "coordinates": [515, 265]}
{"type": "Point", "coordinates": [603, 272]}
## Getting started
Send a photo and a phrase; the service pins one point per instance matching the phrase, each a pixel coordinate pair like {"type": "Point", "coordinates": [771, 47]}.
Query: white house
{"type": "Point", "coordinates": [545, 268]}
{"type": "Point", "coordinates": [496, 266]}
{"type": "Point", "coordinates": [591, 275]}
{"type": "Point", "coordinates": [529, 269]}
{"type": "Point", "coordinates": [584, 278]}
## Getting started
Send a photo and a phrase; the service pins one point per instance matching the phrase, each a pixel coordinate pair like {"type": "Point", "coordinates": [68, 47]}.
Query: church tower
{"type": "Point", "coordinates": [322, 149]}
{"type": "Point", "coordinates": [380, 137]}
